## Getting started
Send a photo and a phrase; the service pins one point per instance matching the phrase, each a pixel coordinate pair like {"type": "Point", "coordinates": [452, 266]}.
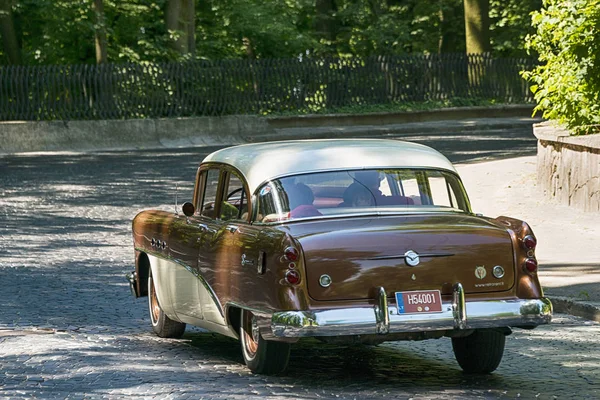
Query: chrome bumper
{"type": "Point", "coordinates": [380, 319]}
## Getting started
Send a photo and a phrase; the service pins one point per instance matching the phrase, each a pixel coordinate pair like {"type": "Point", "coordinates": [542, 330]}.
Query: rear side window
{"type": "Point", "coordinates": [235, 199]}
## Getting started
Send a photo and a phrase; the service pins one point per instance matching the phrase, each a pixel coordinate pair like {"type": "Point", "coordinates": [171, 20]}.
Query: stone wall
{"type": "Point", "coordinates": [568, 167]}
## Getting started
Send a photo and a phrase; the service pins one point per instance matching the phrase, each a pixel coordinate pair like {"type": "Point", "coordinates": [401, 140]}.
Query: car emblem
{"type": "Point", "coordinates": [411, 258]}
{"type": "Point", "coordinates": [480, 272]}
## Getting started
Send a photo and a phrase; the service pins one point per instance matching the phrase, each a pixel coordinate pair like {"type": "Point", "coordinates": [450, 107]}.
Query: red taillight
{"type": "Point", "coordinates": [292, 277]}
{"type": "Point", "coordinates": [531, 265]}
{"type": "Point", "coordinates": [529, 242]}
{"type": "Point", "coordinates": [291, 254]}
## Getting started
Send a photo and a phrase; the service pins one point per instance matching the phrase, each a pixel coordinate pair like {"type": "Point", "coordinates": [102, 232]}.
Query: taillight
{"type": "Point", "coordinates": [529, 242]}
{"type": "Point", "coordinates": [530, 265]}
{"type": "Point", "coordinates": [291, 253]}
{"type": "Point", "coordinates": [292, 277]}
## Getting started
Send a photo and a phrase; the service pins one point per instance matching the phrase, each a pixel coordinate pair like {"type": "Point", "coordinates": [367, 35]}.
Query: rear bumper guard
{"type": "Point", "coordinates": [381, 319]}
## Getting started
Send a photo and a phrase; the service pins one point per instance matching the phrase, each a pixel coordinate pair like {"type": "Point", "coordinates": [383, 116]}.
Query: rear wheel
{"type": "Point", "coordinates": [162, 325]}
{"type": "Point", "coordinates": [261, 356]}
{"type": "Point", "coordinates": [480, 352]}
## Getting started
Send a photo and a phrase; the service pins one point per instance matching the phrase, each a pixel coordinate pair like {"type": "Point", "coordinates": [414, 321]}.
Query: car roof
{"type": "Point", "coordinates": [261, 162]}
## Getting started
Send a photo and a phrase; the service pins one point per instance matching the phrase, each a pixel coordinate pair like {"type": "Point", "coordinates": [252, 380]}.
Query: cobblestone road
{"type": "Point", "coordinates": [69, 327]}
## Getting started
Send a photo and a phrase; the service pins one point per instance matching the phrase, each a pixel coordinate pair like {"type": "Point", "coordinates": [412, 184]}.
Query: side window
{"type": "Point", "coordinates": [235, 201]}
{"type": "Point", "coordinates": [210, 193]}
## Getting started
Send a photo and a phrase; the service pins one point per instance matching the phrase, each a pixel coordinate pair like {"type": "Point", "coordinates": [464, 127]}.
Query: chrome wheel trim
{"type": "Point", "coordinates": [249, 344]}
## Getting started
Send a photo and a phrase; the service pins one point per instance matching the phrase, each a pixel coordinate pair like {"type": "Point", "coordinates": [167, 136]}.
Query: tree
{"type": "Point", "coordinates": [180, 20]}
{"type": "Point", "coordinates": [9, 35]}
{"type": "Point", "coordinates": [325, 22]}
{"type": "Point", "coordinates": [100, 32]}
{"type": "Point", "coordinates": [477, 26]}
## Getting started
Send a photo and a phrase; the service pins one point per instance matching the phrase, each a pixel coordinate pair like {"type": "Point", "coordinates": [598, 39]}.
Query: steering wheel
{"type": "Point", "coordinates": [230, 194]}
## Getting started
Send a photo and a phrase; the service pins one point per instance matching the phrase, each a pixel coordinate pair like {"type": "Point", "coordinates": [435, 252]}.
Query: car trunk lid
{"type": "Point", "coordinates": [362, 254]}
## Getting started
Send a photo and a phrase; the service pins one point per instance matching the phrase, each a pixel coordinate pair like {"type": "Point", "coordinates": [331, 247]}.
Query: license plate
{"type": "Point", "coordinates": [419, 302]}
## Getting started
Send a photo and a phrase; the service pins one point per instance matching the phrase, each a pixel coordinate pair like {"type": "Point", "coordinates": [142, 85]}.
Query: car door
{"type": "Point", "coordinates": [232, 245]}
{"type": "Point", "coordinates": [211, 226]}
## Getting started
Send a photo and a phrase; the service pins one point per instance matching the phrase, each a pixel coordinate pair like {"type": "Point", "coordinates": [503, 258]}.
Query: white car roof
{"type": "Point", "coordinates": [261, 162]}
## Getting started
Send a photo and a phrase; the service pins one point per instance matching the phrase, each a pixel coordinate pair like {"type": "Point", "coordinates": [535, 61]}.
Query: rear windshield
{"type": "Point", "coordinates": [340, 193]}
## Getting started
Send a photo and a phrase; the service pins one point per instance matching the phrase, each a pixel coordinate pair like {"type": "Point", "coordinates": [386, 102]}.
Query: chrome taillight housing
{"type": "Point", "coordinates": [530, 265]}
{"type": "Point", "coordinates": [529, 242]}
{"type": "Point", "coordinates": [292, 277]}
{"type": "Point", "coordinates": [291, 254]}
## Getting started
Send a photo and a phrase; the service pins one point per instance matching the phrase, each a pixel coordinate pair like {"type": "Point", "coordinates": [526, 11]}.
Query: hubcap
{"type": "Point", "coordinates": [255, 332]}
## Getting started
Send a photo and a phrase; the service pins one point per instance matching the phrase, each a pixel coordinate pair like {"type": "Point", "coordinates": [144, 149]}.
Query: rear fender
{"type": "Point", "coordinates": [528, 284]}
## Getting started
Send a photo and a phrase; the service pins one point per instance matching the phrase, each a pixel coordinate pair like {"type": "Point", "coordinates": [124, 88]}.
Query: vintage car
{"type": "Point", "coordinates": [347, 240]}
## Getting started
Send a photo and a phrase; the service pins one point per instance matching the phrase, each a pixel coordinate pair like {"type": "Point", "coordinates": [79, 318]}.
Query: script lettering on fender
{"type": "Point", "coordinates": [489, 284]}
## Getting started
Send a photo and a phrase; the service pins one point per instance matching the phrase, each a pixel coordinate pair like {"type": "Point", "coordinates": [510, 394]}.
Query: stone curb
{"type": "Point", "coordinates": [586, 310]}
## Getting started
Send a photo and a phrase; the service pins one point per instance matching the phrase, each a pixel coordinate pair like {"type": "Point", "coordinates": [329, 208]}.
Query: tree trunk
{"type": "Point", "coordinates": [180, 19]}
{"type": "Point", "coordinates": [190, 19]}
{"type": "Point", "coordinates": [477, 26]}
{"type": "Point", "coordinates": [451, 14]}
{"type": "Point", "coordinates": [100, 33]}
{"type": "Point", "coordinates": [477, 30]}
{"type": "Point", "coordinates": [9, 35]}
{"type": "Point", "coordinates": [325, 24]}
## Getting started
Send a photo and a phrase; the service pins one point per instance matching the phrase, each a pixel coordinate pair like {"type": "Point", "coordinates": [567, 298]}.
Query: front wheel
{"type": "Point", "coordinates": [261, 356]}
{"type": "Point", "coordinates": [162, 325]}
{"type": "Point", "coordinates": [480, 352]}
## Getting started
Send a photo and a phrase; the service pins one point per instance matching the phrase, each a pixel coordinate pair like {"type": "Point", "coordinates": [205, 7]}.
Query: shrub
{"type": "Point", "coordinates": [567, 83]}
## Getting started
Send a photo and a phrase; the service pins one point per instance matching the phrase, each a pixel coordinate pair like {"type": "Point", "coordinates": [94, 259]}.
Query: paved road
{"type": "Point", "coordinates": [70, 329]}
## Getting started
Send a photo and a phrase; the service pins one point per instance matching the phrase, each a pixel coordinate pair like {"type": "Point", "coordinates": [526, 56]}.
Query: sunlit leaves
{"type": "Point", "coordinates": [567, 84]}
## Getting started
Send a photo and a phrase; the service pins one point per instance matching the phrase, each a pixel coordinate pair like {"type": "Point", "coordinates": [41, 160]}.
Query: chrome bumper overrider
{"type": "Point", "coordinates": [382, 319]}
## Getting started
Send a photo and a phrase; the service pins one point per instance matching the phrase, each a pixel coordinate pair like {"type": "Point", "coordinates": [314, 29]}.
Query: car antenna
{"type": "Point", "coordinates": [176, 187]}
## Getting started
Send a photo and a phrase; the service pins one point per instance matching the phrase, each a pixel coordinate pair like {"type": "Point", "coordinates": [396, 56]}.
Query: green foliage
{"type": "Point", "coordinates": [55, 32]}
{"type": "Point", "coordinates": [567, 84]}
{"type": "Point", "coordinates": [62, 31]}
{"type": "Point", "coordinates": [510, 23]}
{"type": "Point", "coordinates": [253, 28]}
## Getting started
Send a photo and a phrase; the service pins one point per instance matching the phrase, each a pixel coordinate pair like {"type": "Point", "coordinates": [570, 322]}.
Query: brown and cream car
{"type": "Point", "coordinates": [346, 240]}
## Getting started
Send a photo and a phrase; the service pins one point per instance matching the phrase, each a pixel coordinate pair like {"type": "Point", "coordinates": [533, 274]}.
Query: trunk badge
{"type": "Point", "coordinates": [411, 258]}
{"type": "Point", "coordinates": [480, 272]}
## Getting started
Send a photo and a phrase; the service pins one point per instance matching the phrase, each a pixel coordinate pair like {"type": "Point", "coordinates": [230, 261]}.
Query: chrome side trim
{"type": "Point", "coordinates": [363, 320]}
{"type": "Point", "coordinates": [402, 256]}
